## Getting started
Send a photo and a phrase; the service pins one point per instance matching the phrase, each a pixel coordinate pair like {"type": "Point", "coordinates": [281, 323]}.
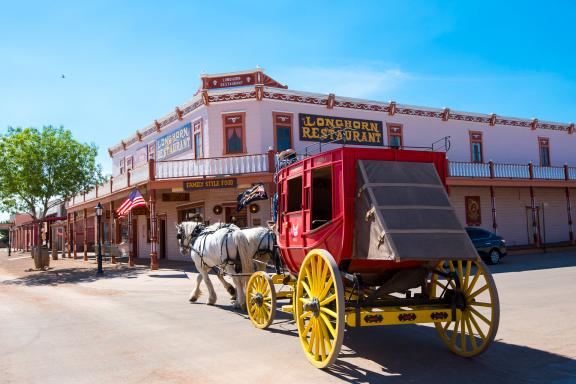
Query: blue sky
{"type": "Point", "coordinates": [127, 63]}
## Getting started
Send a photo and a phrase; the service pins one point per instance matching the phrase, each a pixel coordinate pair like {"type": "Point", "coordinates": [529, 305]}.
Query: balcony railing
{"type": "Point", "coordinates": [461, 169]}
{"type": "Point", "coordinates": [233, 165]}
{"type": "Point", "coordinates": [510, 171]}
{"type": "Point", "coordinates": [212, 166]}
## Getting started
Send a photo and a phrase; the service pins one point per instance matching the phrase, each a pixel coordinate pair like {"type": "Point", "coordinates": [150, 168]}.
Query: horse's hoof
{"type": "Point", "coordinates": [193, 299]}
{"type": "Point", "coordinates": [211, 302]}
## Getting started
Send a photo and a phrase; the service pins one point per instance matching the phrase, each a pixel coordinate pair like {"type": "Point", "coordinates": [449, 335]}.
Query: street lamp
{"type": "Point", "coordinates": [99, 209]}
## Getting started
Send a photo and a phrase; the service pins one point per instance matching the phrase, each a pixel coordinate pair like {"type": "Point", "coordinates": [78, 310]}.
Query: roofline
{"type": "Point", "coordinates": [391, 107]}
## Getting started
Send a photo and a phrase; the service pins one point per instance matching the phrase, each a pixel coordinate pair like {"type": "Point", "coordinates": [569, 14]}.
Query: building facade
{"type": "Point", "coordinates": [512, 176]}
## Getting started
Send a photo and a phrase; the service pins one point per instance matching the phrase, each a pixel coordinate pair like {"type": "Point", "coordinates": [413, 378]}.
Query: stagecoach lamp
{"type": "Point", "coordinates": [98, 209]}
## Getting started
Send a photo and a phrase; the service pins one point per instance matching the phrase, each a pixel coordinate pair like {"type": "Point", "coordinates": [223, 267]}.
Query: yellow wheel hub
{"type": "Point", "coordinates": [319, 308]}
{"type": "Point", "coordinates": [261, 299]}
{"type": "Point", "coordinates": [478, 308]}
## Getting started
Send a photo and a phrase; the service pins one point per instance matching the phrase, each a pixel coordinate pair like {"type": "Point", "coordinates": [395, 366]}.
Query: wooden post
{"type": "Point", "coordinates": [112, 233]}
{"type": "Point", "coordinates": [569, 208]}
{"type": "Point", "coordinates": [85, 230]}
{"type": "Point", "coordinates": [153, 231]}
{"type": "Point", "coordinates": [535, 228]}
{"type": "Point", "coordinates": [74, 238]}
{"type": "Point", "coordinates": [493, 203]}
{"type": "Point", "coordinates": [53, 241]}
{"type": "Point", "coordinates": [130, 241]}
{"type": "Point", "coordinates": [69, 235]}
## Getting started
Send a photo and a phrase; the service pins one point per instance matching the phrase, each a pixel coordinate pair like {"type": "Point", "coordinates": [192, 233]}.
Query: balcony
{"type": "Point", "coordinates": [171, 169]}
{"type": "Point", "coordinates": [493, 170]}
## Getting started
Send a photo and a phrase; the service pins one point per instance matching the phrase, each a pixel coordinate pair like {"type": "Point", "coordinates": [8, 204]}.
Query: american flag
{"type": "Point", "coordinates": [135, 199]}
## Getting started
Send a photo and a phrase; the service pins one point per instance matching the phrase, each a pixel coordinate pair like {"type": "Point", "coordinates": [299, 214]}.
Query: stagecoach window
{"type": "Point", "coordinates": [321, 196]}
{"type": "Point", "coordinates": [294, 194]}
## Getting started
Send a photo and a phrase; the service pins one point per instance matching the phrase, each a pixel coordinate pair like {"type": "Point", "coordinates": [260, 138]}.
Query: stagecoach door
{"type": "Point", "coordinates": [293, 214]}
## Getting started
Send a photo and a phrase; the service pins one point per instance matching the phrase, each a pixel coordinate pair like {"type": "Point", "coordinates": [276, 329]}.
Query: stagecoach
{"type": "Point", "coordinates": [368, 237]}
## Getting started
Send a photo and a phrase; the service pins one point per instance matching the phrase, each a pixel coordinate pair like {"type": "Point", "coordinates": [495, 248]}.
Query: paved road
{"type": "Point", "coordinates": [134, 326]}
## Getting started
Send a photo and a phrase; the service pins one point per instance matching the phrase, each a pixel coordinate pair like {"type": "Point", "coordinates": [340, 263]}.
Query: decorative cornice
{"type": "Point", "coordinates": [331, 101]}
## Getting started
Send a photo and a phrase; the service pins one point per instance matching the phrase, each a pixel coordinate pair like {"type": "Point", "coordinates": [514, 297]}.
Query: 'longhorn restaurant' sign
{"type": "Point", "coordinates": [193, 185]}
{"type": "Point", "coordinates": [173, 143]}
{"type": "Point", "coordinates": [340, 130]}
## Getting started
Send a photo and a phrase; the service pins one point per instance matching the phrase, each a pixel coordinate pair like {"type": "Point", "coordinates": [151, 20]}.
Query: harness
{"type": "Point", "coordinates": [202, 235]}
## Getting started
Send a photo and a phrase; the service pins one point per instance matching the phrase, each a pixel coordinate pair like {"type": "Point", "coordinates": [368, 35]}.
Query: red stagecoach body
{"type": "Point", "coordinates": [297, 231]}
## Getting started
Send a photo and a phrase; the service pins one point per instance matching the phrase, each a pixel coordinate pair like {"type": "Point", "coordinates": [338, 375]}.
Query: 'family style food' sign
{"type": "Point", "coordinates": [173, 143]}
{"type": "Point", "coordinates": [340, 130]}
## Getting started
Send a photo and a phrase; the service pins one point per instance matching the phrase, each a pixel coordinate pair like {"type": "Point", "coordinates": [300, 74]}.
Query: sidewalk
{"type": "Point", "coordinates": [21, 265]}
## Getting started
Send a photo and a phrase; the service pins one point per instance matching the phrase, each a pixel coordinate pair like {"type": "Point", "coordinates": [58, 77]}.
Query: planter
{"type": "Point", "coordinates": [42, 259]}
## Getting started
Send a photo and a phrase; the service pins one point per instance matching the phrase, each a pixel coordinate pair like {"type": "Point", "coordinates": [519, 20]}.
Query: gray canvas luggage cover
{"type": "Point", "coordinates": [403, 213]}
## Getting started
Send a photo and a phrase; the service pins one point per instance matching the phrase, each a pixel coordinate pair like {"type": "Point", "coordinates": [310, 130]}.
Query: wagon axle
{"type": "Point", "coordinates": [313, 306]}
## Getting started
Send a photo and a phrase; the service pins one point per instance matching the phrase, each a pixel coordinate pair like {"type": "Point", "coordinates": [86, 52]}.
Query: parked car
{"type": "Point", "coordinates": [489, 245]}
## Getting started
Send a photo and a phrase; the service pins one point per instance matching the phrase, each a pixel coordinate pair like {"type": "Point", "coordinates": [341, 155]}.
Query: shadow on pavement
{"type": "Point", "coordinates": [73, 275]}
{"type": "Point", "coordinates": [416, 354]}
{"type": "Point", "coordinates": [534, 262]}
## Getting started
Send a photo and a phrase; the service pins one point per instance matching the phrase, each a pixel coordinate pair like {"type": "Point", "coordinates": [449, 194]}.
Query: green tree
{"type": "Point", "coordinates": [39, 167]}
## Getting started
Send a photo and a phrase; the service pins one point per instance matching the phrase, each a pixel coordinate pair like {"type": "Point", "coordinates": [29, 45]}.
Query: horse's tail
{"type": "Point", "coordinates": [244, 252]}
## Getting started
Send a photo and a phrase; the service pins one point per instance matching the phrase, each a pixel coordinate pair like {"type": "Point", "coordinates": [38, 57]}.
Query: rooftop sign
{"type": "Point", "coordinates": [341, 130]}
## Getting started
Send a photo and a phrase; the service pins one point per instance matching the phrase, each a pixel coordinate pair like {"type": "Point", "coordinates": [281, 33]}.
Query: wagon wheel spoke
{"type": "Point", "coordinates": [328, 300]}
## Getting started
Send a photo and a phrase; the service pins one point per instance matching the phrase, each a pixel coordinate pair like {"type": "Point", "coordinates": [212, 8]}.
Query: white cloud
{"type": "Point", "coordinates": [360, 82]}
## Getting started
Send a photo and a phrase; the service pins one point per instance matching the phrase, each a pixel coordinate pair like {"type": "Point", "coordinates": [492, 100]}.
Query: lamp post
{"type": "Point", "coordinates": [98, 209]}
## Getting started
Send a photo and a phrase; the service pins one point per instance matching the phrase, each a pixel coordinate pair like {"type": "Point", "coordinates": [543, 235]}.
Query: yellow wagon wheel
{"type": "Point", "coordinates": [319, 308]}
{"type": "Point", "coordinates": [261, 299]}
{"type": "Point", "coordinates": [478, 307]}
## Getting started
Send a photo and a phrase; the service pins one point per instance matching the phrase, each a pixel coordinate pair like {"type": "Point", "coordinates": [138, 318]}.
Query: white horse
{"type": "Point", "coordinates": [261, 242]}
{"type": "Point", "coordinates": [220, 246]}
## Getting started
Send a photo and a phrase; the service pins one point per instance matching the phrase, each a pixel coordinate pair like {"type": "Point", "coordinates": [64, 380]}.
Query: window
{"type": "Point", "coordinates": [191, 213]}
{"type": "Point", "coordinates": [476, 150]}
{"type": "Point", "coordinates": [544, 144]}
{"type": "Point", "coordinates": [129, 163]}
{"type": "Point", "coordinates": [282, 131]}
{"type": "Point", "coordinates": [197, 134]}
{"type": "Point", "coordinates": [152, 151]}
{"type": "Point", "coordinates": [395, 136]}
{"type": "Point", "coordinates": [234, 129]}
{"type": "Point", "coordinates": [122, 166]}
{"type": "Point", "coordinates": [477, 233]}
{"type": "Point", "coordinates": [294, 194]}
{"type": "Point", "coordinates": [321, 196]}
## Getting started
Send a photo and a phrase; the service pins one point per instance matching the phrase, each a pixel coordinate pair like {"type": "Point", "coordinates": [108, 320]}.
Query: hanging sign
{"type": "Point", "coordinates": [194, 185]}
{"type": "Point", "coordinates": [473, 212]}
{"type": "Point", "coordinates": [174, 143]}
{"type": "Point", "coordinates": [341, 130]}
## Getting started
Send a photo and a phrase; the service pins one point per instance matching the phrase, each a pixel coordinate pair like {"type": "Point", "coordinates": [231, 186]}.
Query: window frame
{"type": "Point", "coordinates": [227, 125]}
{"type": "Point", "coordinates": [186, 207]}
{"type": "Point", "coordinates": [544, 143]}
{"type": "Point", "coordinates": [289, 193]}
{"type": "Point", "coordinates": [276, 116]}
{"type": "Point", "coordinates": [395, 130]}
{"type": "Point", "coordinates": [198, 129]}
{"type": "Point", "coordinates": [476, 137]}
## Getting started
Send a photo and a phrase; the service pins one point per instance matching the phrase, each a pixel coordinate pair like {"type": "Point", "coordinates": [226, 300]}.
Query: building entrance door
{"type": "Point", "coordinates": [530, 227]}
{"type": "Point", "coordinates": [135, 237]}
{"type": "Point", "coordinates": [234, 217]}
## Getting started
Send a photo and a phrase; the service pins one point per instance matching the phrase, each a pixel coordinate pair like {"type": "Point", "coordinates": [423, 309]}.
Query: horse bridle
{"type": "Point", "coordinates": [193, 235]}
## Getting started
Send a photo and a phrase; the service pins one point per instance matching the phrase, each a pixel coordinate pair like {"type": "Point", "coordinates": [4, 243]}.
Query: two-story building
{"type": "Point", "coordinates": [509, 175]}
